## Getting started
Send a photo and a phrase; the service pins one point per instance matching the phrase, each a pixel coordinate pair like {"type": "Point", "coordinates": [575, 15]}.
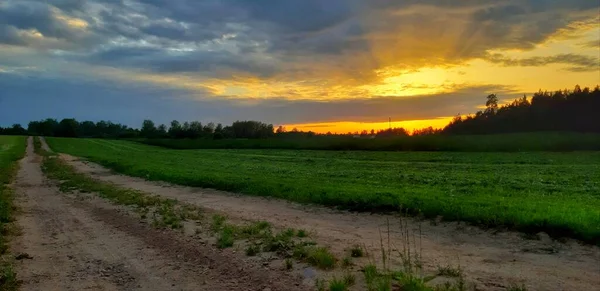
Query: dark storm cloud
{"type": "Point", "coordinates": [10, 35]}
{"type": "Point", "coordinates": [32, 15]}
{"type": "Point", "coordinates": [157, 60]}
{"type": "Point", "coordinates": [403, 32]}
{"type": "Point", "coordinates": [579, 63]}
{"type": "Point", "coordinates": [518, 24]}
{"type": "Point", "coordinates": [68, 5]}
{"type": "Point", "coordinates": [301, 16]}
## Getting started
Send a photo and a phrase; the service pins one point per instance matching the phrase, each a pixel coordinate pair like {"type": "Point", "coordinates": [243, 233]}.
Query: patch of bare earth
{"type": "Point", "coordinates": [492, 260]}
{"type": "Point", "coordinates": [77, 244]}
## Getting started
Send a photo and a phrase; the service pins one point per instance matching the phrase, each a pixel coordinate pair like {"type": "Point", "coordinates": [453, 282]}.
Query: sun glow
{"type": "Point", "coordinates": [354, 127]}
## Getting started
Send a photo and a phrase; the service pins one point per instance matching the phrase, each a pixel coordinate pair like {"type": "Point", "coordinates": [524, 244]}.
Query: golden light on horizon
{"type": "Point", "coordinates": [344, 127]}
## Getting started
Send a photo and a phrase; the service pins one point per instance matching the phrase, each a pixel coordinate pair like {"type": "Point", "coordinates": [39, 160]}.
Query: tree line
{"type": "Point", "coordinates": [70, 127]}
{"type": "Point", "coordinates": [564, 110]}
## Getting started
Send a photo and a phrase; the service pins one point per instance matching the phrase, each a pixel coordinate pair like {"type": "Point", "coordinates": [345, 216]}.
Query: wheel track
{"type": "Point", "coordinates": [91, 245]}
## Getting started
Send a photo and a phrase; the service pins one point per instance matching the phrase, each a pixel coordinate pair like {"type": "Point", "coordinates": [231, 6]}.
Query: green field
{"type": "Point", "coordinates": [11, 150]}
{"type": "Point", "coordinates": [509, 142]}
{"type": "Point", "coordinates": [558, 193]}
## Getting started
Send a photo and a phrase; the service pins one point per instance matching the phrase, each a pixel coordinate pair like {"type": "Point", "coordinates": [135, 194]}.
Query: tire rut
{"type": "Point", "coordinates": [89, 245]}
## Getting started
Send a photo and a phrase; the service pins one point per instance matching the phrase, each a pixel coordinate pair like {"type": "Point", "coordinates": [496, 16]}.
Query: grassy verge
{"type": "Point", "coordinates": [530, 192]}
{"type": "Point", "coordinates": [165, 212]}
{"type": "Point", "coordinates": [255, 237]}
{"type": "Point", "coordinates": [11, 150]}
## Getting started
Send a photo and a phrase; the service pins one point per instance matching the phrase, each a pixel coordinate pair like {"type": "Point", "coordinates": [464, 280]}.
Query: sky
{"type": "Point", "coordinates": [335, 65]}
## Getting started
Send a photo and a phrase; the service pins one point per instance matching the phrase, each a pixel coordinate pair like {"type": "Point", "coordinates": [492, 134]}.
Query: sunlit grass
{"type": "Point", "coordinates": [532, 192]}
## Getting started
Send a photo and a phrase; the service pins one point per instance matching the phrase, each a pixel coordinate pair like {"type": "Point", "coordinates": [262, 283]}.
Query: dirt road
{"type": "Point", "coordinates": [494, 261]}
{"type": "Point", "coordinates": [79, 244]}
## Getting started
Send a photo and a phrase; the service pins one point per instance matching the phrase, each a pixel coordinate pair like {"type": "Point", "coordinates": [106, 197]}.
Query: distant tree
{"type": "Point", "coordinates": [33, 127]}
{"type": "Point", "coordinates": [397, 131]}
{"type": "Point", "coordinates": [15, 129]}
{"type": "Point", "coordinates": [219, 128]}
{"type": "Point", "coordinates": [250, 129]}
{"type": "Point", "coordinates": [161, 131]}
{"type": "Point", "coordinates": [68, 127]}
{"type": "Point", "coordinates": [491, 104]}
{"type": "Point", "coordinates": [88, 129]}
{"type": "Point", "coordinates": [426, 131]}
{"type": "Point", "coordinates": [175, 130]}
{"type": "Point", "coordinates": [195, 130]}
{"type": "Point", "coordinates": [45, 127]}
{"type": "Point", "coordinates": [208, 129]}
{"type": "Point", "coordinates": [148, 129]}
{"type": "Point", "coordinates": [280, 129]}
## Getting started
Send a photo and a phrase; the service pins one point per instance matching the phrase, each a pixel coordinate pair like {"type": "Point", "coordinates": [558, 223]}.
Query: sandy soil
{"type": "Point", "coordinates": [492, 260]}
{"type": "Point", "coordinates": [77, 244]}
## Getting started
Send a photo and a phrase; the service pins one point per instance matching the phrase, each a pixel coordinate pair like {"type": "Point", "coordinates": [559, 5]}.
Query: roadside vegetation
{"type": "Point", "coordinates": [531, 192]}
{"type": "Point", "coordinates": [163, 212]}
{"type": "Point", "coordinates": [11, 150]}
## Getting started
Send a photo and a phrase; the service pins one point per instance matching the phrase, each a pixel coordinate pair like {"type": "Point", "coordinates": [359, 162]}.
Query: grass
{"type": "Point", "coordinates": [217, 222]}
{"type": "Point", "coordinates": [356, 251]}
{"type": "Point", "coordinates": [449, 271]}
{"type": "Point", "coordinates": [408, 274]}
{"type": "Point", "coordinates": [320, 284]}
{"type": "Point", "coordinates": [225, 238]}
{"type": "Point", "coordinates": [252, 250]}
{"type": "Point", "coordinates": [349, 279]}
{"type": "Point", "coordinates": [370, 272]}
{"type": "Point", "coordinates": [321, 257]}
{"type": "Point", "coordinates": [512, 142]}
{"type": "Point", "coordinates": [11, 150]}
{"type": "Point", "coordinates": [531, 192]}
{"type": "Point", "coordinates": [260, 237]}
{"type": "Point", "coordinates": [289, 264]}
{"type": "Point", "coordinates": [337, 285]}
{"type": "Point", "coordinates": [302, 233]}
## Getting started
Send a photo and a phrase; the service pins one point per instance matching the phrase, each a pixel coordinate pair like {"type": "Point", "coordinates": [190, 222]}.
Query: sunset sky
{"type": "Point", "coordinates": [321, 65]}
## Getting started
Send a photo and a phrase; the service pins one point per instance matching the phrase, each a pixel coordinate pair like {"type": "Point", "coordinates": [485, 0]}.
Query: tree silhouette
{"type": "Point", "coordinates": [148, 129]}
{"type": "Point", "coordinates": [563, 110]}
{"type": "Point", "coordinates": [491, 104]}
